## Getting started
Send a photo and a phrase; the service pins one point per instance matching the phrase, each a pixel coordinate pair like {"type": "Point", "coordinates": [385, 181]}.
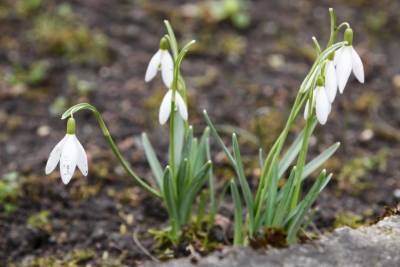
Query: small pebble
{"type": "Point", "coordinates": [43, 130]}
{"type": "Point", "coordinates": [366, 135]}
{"type": "Point", "coordinates": [396, 193]}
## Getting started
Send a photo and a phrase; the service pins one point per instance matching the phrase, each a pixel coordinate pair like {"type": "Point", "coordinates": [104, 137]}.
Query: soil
{"type": "Point", "coordinates": [236, 74]}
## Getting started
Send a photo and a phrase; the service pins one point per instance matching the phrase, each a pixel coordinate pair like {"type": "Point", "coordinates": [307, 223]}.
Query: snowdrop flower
{"type": "Point", "coordinates": [331, 85]}
{"type": "Point", "coordinates": [70, 153]}
{"type": "Point", "coordinates": [321, 103]}
{"type": "Point", "coordinates": [347, 60]}
{"type": "Point", "coordinates": [161, 60]}
{"type": "Point", "coordinates": [165, 108]}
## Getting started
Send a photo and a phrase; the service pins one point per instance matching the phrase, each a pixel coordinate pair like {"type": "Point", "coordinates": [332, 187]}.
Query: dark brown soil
{"type": "Point", "coordinates": [237, 75]}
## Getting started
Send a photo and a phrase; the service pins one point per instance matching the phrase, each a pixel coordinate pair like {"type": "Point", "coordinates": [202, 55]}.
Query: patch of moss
{"type": "Point", "coordinates": [31, 75]}
{"type": "Point", "coordinates": [351, 177]}
{"type": "Point", "coordinates": [61, 33]}
{"type": "Point", "coordinates": [9, 192]}
{"type": "Point", "coordinates": [349, 219]}
{"type": "Point", "coordinates": [40, 221]}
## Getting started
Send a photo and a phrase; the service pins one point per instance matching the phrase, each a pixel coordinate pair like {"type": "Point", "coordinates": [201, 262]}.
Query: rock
{"type": "Point", "coordinates": [376, 245]}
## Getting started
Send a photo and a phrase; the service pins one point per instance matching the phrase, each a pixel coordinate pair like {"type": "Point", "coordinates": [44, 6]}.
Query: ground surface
{"type": "Point", "coordinates": [96, 51]}
{"type": "Point", "coordinates": [375, 245]}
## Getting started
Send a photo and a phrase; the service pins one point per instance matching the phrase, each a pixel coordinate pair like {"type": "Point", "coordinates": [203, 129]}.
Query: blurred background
{"type": "Point", "coordinates": [245, 69]}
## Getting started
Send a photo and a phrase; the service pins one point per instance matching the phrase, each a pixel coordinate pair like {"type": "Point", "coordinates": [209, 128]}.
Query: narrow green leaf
{"type": "Point", "coordinates": [319, 160]}
{"type": "Point", "coordinates": [304, 206]}
{"type": "Point", "coordinates": [154, 163]}
{"type": "Point", "coordinates": [169, 198]}
{"type": "Point", "coordinates": [293, 151]}
{"type": "Point", "coordinates": [183, 175]}
{"type": "Point", "coordinates": [201, 152]}
{"type": "Point", "coordinates": [248, 197]}
{"type": "Point", "coordinates": [271, 197]}
{"type": "Point", "coordinates": [190, 193]}
{"type": "Point", "coordinates": [284, 199]}
{"type": "Point", "coordinates": [238, 224]}
{"type": "Point", "coordinates": [219, 139]}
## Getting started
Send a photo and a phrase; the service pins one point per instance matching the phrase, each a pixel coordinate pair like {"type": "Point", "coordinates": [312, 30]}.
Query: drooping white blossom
{"type": "Point", "coordinates": [165, 107]}
{"type": "Point", "coordinates": [321, 104]}
{"type": "Point", "coordinates": [69, 153]}
{"type": "Point", "coordinates": [346, 61]}
{"type": "Point", "coordinates": [161, 60]}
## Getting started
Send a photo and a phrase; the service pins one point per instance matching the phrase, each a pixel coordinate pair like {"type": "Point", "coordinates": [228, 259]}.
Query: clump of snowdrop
{"type": "Point", "coordinates": [179, 183]}
{"type": "Point", "coordinates": [69, 153]}
{"type": "Point", "coordinates": [280, 204]}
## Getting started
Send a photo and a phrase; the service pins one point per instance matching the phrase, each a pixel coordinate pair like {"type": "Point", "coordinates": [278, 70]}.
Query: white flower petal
{"type": "Point", "coordinates": [358, 68]}
{"type": "Point", "coordinates": [337, 55]}
{"type": "Point", "coordinates": [322, 105]}
{"type": "Point", "coordinates": [343, 67]}
{"type": "Point", "coordinates": [330, 80]}
{"type": "Point", "coordinates": [152, 68]}
{"type": "Point", "coordinates": [165, 108]}
{"type": "Point", "coordinates": [82, 161]}
{"type": "Point", "coordinates": [69, 157]}
{"type": "Point", "coordinates": [54, 156]}
{"type": "Point", "coordinates": [167, 68]}
{"type": "Point", "coordinates": [181, 106]}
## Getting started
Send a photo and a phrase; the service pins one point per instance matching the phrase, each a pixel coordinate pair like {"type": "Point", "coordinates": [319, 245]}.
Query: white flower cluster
{"type": "Point", "coordinates": [162, 60]}
{"type": "Point", "coordinates": [337, 73]}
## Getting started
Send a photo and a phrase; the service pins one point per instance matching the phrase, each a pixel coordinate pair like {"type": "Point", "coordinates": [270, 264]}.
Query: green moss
{"type": "Point", "coordinates": [27, 7]}
{"type": "Point", "coordinates": [32, 75]}
{"type": "Point", "coordinates": [9, 192]}
{"type": "Point", "coordinates": [40, 221]}
{"type": "Point", "coordinates": [348, 219]}
{"type": "Point", "coordinates": [60, 33]}
{"type": "Point", "coordinates": [351, 178]}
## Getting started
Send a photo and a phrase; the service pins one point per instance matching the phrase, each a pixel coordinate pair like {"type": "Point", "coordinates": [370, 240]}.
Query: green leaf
{"type": "Point", "coordinates": [189, 195]}
{"type": "Point", "coordinates": [238, 224]}
{"type": "Point", "coordinates": [284, 199]}
{"type": "Point", "coordinates": [172, 39]}
{"type": "Point", "coordinates": [219, 139]}
{"type": "Point", "coordinates": [319, 160]}
{"type": "Point", "coordinates": [296, 218]}
{"type": "Point", "coordinates": [293, 151]}
{"type": "Point", "coordinates": [248, 197]}
{"type": "Point", "coordinates": [271, 197]}
{"type": "Point", "coordinates": [169, 197]}
{"type": "Point", "coordinates": [153, 161]}
{"type": "Point", "coordinates": [183, 175]}
{"type": "Point", "coordinates": [201, 152]}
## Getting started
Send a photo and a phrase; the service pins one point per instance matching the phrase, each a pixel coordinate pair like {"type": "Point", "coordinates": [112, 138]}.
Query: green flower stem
{"type": "Point", "coordinates": [113, 146]}
{"type": "Point", "coordinates": [273, 154]}
{"type": "Point", "coordinates": [301, 161]}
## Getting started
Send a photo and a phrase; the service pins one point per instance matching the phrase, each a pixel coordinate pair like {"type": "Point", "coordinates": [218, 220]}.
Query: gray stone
{"type": "Point", "coordinates": [376, 245]}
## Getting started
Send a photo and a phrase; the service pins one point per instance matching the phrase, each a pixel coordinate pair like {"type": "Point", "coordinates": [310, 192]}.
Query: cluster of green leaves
{"type": "Point", "coordinates": [273, 205]}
